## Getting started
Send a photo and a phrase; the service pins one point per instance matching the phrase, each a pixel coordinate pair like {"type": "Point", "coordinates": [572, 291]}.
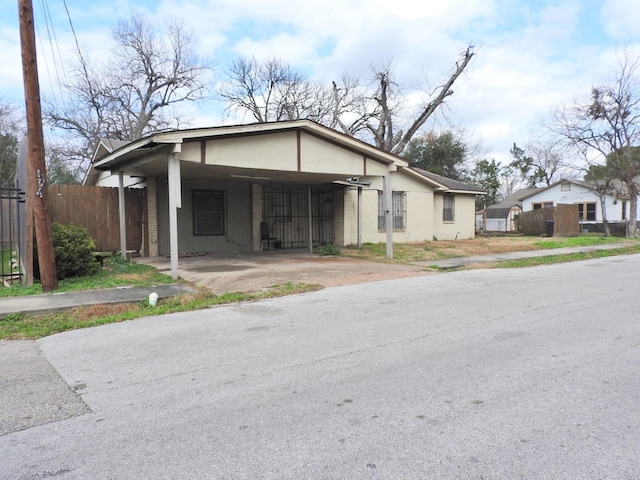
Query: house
{"type": "Point", "coordinates": [589, 199]}
{"type": "Point", "coordinates": [502, 216]}
{"type": "Point", "coordinates": [293, 184]}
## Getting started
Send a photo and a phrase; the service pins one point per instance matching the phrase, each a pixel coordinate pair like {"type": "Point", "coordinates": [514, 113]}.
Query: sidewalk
{"type": "Point", "coordinates": [52, 302]}
{"type": "Point", "coordinates": [451, 263]}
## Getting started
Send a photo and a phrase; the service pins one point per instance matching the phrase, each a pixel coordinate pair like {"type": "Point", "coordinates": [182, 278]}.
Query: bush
{"type": "Point", "coordinates": [328, 249]}
{"type": "Point", "coordinates": [73, 249]}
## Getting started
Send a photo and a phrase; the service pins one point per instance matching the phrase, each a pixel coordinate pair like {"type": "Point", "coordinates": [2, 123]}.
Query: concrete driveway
{"type": "Point", "coordinates": [222, 273]}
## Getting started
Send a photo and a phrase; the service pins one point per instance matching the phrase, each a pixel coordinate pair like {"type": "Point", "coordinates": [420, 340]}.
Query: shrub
{"type": "Point", "coordinates": [327, 249]}
{"type": "Point", "coordinates": [73, 249]}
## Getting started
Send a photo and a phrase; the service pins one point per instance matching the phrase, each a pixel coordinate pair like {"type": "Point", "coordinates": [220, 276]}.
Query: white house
{"type": "Point", "coordinates": [290, 184]}
{"type": "Point", "coordinates": [590, 202]}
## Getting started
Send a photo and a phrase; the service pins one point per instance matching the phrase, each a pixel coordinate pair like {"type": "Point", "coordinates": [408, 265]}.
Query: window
{"type": "Point", "coordinates": [565, 187]}
{"type": "Point", "coordinates": [398, 210]}
{"type": "Point", "coordinates": [539, 205]}
{"type": "Point", "coordinates": [449, 208]}
{"type": "Point", "coordinates": [587, 212]}
{"type": "Point", "coordinates": [208, 212]}
{"type": "Point", "coordinates": [624, 210]}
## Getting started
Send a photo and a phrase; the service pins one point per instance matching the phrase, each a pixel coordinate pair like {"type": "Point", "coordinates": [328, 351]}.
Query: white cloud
{"type": "Point", "coordinates": [532, 55]}
{"type": "Point", "coordinates": [621, 19]}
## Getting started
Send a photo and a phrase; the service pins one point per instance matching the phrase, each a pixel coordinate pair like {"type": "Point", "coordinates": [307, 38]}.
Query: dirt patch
{"type": "Point", "coordinates": [254, 272]}
{"type": "Point", "coordinates": [335, 271]}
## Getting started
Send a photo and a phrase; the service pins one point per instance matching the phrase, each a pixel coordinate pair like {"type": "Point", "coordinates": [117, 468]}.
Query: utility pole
{"type": "Point", "coordinates": [37, 172]}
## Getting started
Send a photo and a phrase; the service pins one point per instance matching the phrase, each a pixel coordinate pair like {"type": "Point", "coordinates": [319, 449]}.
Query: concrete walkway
{"type": "Point", "coordinates": [52, 302]}
{"type": "Point", "coordinates": [451, 263]}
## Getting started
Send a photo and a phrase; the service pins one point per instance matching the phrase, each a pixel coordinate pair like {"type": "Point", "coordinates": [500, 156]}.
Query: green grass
{"type": "Point", "coordinates": [6, 254]}
{"type": "Point", "coordinates": [402, 252]}
{"type": "Point", "coordinates": [19, 326]}
{"type": "Point", "coordinates": [571, 257]}
{"type": "Point", "coordinates": [115, 272]}
{"type": "Point", "coordinates": [581, 241]}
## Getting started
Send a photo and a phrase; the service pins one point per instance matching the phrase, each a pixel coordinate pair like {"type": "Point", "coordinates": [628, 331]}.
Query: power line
{"type": "Point", "coordinates": [73, 31]}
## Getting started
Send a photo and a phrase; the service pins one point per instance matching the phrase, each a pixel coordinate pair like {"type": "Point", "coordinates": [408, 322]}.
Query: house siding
{"type": "Point", "coordinates": [463, 226]}
{"type": "Point", "coordinates": [418, 218]}
{"type": "Point", "coordinates": [238, 219]}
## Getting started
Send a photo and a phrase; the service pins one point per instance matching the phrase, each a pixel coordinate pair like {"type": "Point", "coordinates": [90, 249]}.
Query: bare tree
{"type": "Point", "coordinates": [606, 129]}
{"type": "Point", "coordinates": [133, 92]}
{"type": "Point", "coordinates": [386, 98]}
{"type": "Point", "coordinates": [273, 91]}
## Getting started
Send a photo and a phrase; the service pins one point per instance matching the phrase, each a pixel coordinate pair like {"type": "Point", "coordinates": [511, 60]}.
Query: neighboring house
{"type": "Point", "coordinates": [294, 184]}
{"type": "Point", "coordinates": [588, 199]}
{"type": "Point", "coordinates": [501, 217]}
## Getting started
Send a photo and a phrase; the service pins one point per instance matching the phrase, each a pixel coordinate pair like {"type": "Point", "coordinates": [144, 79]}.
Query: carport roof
{"type": "Point", "coordinates": [127, 153]}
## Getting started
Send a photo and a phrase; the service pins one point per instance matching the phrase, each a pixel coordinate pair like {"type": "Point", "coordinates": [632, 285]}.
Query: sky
{"type": "Point", "coordinates": [531, 55]}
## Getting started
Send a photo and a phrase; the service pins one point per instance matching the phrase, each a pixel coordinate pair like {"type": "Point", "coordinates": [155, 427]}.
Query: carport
{"type": "Point", "coordinates": [229, 167]}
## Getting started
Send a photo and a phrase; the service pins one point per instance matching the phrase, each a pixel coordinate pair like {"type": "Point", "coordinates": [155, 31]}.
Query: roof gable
{"type": "Point", "coordinates": [448, 184]}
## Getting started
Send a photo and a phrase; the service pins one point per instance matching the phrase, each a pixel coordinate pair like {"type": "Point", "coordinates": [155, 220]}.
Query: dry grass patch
{"type": "Point", "coordinates": [101, 310]}
{"type": "Point", "coordinates": [443, 249]}
{"type": "Point", "coordinates": [483, 245]}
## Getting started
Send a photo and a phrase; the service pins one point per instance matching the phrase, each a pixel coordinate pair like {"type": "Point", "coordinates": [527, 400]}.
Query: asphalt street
{"type": "Point", "coordinates": [482, 374]}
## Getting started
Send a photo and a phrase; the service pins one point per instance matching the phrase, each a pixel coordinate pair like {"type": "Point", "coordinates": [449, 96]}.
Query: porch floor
{"type": "Point", "coordinates": [244, 272]}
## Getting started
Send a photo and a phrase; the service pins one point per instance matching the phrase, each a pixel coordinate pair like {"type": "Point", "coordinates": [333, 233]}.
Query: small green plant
{"type": "Point", "coordinates": [327, 249]}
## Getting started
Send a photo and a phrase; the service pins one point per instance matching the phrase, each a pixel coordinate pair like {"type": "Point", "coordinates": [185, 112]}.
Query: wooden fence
{"type": "Point", "coordinates": [97, 209]}
{"type": "Point", "coordinates": [565, 221]}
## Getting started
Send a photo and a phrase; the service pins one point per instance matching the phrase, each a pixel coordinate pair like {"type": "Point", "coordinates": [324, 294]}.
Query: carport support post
{"type": "Point", "coordinates": [309, 196]}
{"type": "Point", "coordinates": [175, 202]}
{"type": "Point", "coordinates": [123, 220]}
{"type": "Point", "coordinates": [359, 217]}
{"type": "Point", "coordinates": [388, 215]}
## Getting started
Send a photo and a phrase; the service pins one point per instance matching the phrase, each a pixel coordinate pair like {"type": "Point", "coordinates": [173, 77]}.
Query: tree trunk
{"type": "Point", "coordinates": [603, 209]}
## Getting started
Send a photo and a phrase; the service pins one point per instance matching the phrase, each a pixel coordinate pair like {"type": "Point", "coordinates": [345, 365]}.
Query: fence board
{"type": "Point", "coordinates": [96, 209]}
{"type": "Point", "coordinates": [534, 222]}
{"type": "Point", "coordinates": [564, 216]}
